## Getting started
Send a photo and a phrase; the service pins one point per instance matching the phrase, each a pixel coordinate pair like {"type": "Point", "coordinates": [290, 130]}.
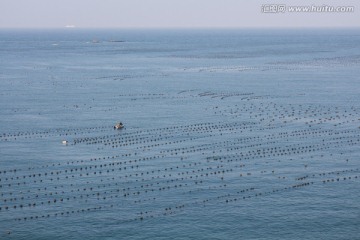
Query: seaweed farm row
{"type": "Point", "coordinates": [261, 149]}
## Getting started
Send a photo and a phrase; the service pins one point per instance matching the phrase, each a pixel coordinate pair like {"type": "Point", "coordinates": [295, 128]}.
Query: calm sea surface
{"type": "Point", "coordinates": [233, 134]}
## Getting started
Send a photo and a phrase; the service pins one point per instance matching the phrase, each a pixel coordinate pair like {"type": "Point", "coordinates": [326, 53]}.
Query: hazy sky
{"type": "Point", "coordinates": [168, 14]}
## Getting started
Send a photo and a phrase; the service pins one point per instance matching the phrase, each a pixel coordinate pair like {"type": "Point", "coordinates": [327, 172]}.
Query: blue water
{"type": "Point", "coordinates": [231, 134]}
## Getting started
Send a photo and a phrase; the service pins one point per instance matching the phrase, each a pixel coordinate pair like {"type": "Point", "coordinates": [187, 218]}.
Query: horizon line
{"type": "Point", "coordinates": [177, 28]}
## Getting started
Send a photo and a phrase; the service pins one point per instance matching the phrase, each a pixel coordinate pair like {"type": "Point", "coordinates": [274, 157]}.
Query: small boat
{"type": "Point", "coordinates": [119, 126]}
{"type": "Point", "coordinates": [65, 142]}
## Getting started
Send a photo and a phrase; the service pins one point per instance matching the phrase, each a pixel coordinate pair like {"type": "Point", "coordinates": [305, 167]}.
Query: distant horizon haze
{"type": "Point", "coordinates": [174, 14]}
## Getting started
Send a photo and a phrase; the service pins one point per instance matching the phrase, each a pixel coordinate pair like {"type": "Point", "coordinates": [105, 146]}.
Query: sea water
{"type": "Point", "coordinates": [229, 134]}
